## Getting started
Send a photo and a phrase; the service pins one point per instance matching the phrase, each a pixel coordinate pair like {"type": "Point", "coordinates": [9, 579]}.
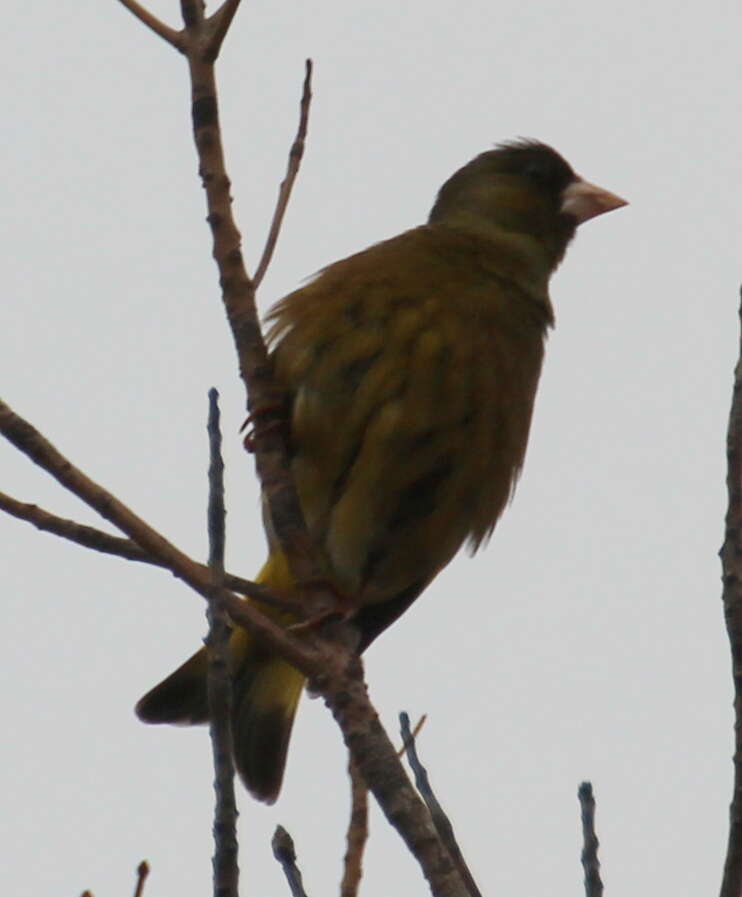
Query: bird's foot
{"type": "Point", "coordinates": [274, 410]}
{"type": "Point", "coordinates": [342, 606]}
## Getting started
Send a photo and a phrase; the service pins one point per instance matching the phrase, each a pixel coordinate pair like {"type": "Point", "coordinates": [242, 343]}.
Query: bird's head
{"type": "Point", "coordinates": [523, 191]}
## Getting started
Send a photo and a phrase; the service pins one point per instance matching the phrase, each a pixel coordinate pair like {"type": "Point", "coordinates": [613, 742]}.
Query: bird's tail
{"type": "Point", "coordinates": [265, 694]}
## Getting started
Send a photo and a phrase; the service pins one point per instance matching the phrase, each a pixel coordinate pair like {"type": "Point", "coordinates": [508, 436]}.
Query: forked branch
{"type": "Point", "coordinates": [330, 663]}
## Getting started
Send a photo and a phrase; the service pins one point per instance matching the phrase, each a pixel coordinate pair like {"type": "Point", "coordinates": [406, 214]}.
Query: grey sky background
{"type": "Point", "coordinates": [586, 641]}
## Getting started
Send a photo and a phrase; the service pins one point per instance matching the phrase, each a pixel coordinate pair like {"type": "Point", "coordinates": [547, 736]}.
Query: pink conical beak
{"type": "Point", "coordinates": [585, 200]}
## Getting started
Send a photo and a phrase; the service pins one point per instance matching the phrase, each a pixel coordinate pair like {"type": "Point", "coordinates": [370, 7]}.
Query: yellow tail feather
{"type": "Point", "coordinates": [265, 694]}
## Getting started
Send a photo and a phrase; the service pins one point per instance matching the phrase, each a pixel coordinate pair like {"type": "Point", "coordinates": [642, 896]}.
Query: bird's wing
{"type": "Point", "coordinates": [412, 374]}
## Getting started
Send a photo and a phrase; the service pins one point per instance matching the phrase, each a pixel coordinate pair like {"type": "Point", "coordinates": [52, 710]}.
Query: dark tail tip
{"type": "Point", "coordinates": [179, 699]}
{"type": "Point", "coordinates": [261, 741]}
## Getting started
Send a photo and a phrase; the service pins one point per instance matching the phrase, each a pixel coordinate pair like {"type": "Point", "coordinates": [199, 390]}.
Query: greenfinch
{"type": "Point", "coordinates": [412, 370]}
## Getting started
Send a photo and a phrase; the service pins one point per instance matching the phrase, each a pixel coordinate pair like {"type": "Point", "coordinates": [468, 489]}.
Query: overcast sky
{"type": "Point", "coordinates": [586, 641]}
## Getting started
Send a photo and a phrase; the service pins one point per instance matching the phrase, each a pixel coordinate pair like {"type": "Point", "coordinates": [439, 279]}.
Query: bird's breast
{"type": "Point", "coordinates": [410, 418]}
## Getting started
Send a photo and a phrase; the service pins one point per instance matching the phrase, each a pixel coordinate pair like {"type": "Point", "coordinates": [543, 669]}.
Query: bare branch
{"type": "Point", "coordinates": [284, 194]}
{"type": "Point", "coordinates": [88, 536]}
{"type": "Point", "coordinates": [283, 851]}
{"type": "Point", "coordinates": [97, 540]}
{"type": "Point", "coordinates": [193, 15]}
{"type": "Point", "coordinates": [173, 37]}
{"type": "Point", "coordinates": [415, 732]}
{"type": "Point", "coordinates": [266, 401]}
{"type": "Point", "coordinates": [731, 563]}
{"type": "Point", "coordinates": [219, 24]}
{"type": "Point", "coordinates": [440, 820]}
{"type": "Point", "coordinates": [218, 680]}
{"type": "Point", "coordinates": [216, 511]}
{"type": "Point", "coordinates": [199, 41]}
{"type": "Point", "coordinates": [142, 873]}
{"type": "Point", "coordinates": [377, 761]}
{"type": "Point", "coordinates": [29, 441]}
{"type": "Point", "coordinates": [590, 862]}
{"type": "Point", "coordinates": [357, 834]}
{"type": "Point", "coordinates": [331, 665]}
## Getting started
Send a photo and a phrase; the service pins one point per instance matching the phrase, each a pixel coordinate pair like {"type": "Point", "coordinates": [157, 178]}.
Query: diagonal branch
{"type": "Point", "coordinates": [284, 193]}
{"type": "Point", "coordinates": [266, 401]}
{"type": "Point", "coordinates": [379, 765]}
{"type": "Point", "coordinates": [97, 540]}
{"type": "Point", "coordinates": [173, 37]}
{"type": "Point", "coordinates": [28, 440]}
{"type": "Point", "coordinates": [199, 41]}
{"type": "Point", "coordinates": [331, 665]}
{"type": "Point", "coordinates": [437, 814]}
{"type": "Point", "coordinates": [80, 533]}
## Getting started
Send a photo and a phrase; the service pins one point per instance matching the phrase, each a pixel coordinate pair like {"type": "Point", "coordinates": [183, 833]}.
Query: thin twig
{"type": "Point", "coordinates": [219, 686]}
{"type": "Point", "coordinates": [440, 820]}
{"type": "Point", "coordinates": [142, 873]}
{"type": "Point", "coordinates": [284, 194]}
{"type": "Point", "coordinates": [200, 41]}
{"type": "Point", "coordinates": [32, 443]}
{"type": "Point", "coordinates": [377, 761]}
{"type": "Point", "coordinates": [117, 546]}
{"type": "Point", "coordinates": [266, 401]}
{"type": "Point", "coordinates": [590, 843]}
{"type": "Point", "coordinates": [81, 534]}
{"type": "Point", "coordinates": [173, 37]}
{"type": "Point", "coordinates": [357, 834]}
{"type": "Point", "coordinates": [731, 563]}
{"type": "Point", "coordinates": [283, 851]}
{"type": "Point", "coordinates": [415, 732]}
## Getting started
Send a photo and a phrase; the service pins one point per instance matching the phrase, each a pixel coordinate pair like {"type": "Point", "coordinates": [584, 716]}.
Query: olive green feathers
{"type": "Point", "coordinates": [412, 369]}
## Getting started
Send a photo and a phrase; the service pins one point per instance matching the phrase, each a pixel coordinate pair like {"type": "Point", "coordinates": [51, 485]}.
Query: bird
{"type": "Point", "coordinates": [411, 370]}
